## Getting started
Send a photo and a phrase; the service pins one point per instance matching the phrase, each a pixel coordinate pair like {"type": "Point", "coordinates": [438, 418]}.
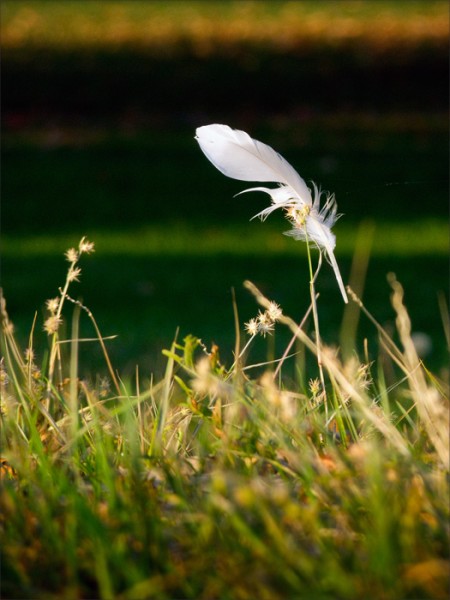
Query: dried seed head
{"type": "Point", "coordinates": [263, 317]}
{"type": "Point", "coordinates": [252, 327]}
{"type": "Point", "coordinates": [4, 379]}
{"type": "Point", "coordinates": [266, 327]}
{"type": "Point", "coordinates": [71, 255]}
{"type": "Point", "coordinates": [314, 386]}
{"type": "Point", "coordinates": [52, 305]}
{"type": "Point", "coordinates": [274, 311]}
{"type": "Point", "coordinates": [29, 355]}
{"type": "Point", "coordinates": [86, 247]}
{"type": "Point", "coordinates": [52, 324]}
{"type": "Point", "coordinates": [74, 274]}
{"type": "Point", "coordinates": [6, 324]}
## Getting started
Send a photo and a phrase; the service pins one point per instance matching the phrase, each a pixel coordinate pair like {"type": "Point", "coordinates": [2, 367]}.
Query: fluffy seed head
{"type": "Point", "coordinates": [252, 327]}
{"type": "Point", "coordinates": [52, 324]}
{"type": "Point", "coordinates": [72, 255]}
{"type": "Point", "coordinates": [52, 304]}
{"type": "Point", "coordinates": [274, 311]}
{"type": "Point", "coordinates": [74, 274]}
{"type": "Point", "coordinates": [86, 247]}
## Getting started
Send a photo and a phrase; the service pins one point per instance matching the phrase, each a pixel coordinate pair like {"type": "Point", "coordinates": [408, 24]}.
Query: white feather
{"type": "Point", "coordinates": [235, 154]}
{"type": "Point", "coordinates": [238, 156]}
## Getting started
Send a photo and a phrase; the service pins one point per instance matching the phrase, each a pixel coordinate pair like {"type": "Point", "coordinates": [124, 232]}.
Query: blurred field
{"type": "Point", "coordinates": [208, 26]}
{"type": "Point", "coordinates": [387, 168]}
{"type": "Point", "coordinates": [100, 105]}
{"type": "Point", "coordinates": [137, 59]}
{"type": "Point", "coordinates": [428, 237]}
{"type": "Point", "coordinates": [143, 291]}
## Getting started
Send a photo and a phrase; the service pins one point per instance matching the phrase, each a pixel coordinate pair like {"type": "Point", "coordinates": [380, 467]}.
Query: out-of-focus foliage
{"type": "Point", "coordinates": [209, 27]}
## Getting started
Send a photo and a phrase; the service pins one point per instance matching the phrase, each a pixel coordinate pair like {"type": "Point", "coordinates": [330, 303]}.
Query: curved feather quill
{"type": "Point", "coordinates": [235, 154]}
{"type": "Point", "coordinates": [324, 238]}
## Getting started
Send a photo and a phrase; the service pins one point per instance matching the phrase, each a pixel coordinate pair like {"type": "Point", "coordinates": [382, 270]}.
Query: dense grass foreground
{"type": "Point", "coordinates": [211, 484]}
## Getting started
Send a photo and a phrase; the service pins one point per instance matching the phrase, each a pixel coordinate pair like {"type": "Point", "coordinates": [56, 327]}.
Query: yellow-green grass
{"type": "Point", "coordinates": [426, 237]}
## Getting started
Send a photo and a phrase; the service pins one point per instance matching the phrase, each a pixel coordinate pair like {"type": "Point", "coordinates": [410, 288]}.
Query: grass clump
{"type": "Point", "coordinates": [217, 483]}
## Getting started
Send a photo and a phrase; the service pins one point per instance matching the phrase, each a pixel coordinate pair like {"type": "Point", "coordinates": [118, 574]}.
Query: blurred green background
{"type": "Point", "coordinates": [100, 105]}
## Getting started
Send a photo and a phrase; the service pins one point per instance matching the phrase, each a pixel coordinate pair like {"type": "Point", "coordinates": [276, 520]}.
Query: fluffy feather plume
{"type": "Point", "coordinates": [235, 154]}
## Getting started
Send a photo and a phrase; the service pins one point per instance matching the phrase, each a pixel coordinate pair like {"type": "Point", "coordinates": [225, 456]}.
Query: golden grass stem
{"type": "Point", "coordinates": [291, 343]}
{"type": "Point", "coordinates": [312, 291]}
{"type": "Point", "coordinates": [430, 406]}
{"type": "Point", "coordinates": [100, 339]}
{"type": "Point", "coordinates": [357, 280]}
{"type": "Point", "coordinates": [73, 389]}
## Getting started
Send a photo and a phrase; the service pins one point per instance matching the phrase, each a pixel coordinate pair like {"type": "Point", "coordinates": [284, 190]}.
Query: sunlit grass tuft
{"type": "Point", "coordinates": [216, 482]}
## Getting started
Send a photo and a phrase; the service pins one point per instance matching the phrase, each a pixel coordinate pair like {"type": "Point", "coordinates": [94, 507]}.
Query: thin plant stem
{"type": "Point", "coordinates": [74, 376]}
{"type": "Point", "coordinates": [241, 353]}
{"type": "Point", "coordinates": [100, 339]}
{"type": "Point", "coordinates": [312, 291]}
{"type": "Point", "coordinates": [291, 343]}
{"type": "Point", "coordinates": [246, 346]}
{"type": "Point", "coordinates": [30, 355]}
{"type": "Point", "coordinates": [55, 346]}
